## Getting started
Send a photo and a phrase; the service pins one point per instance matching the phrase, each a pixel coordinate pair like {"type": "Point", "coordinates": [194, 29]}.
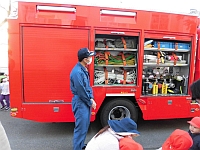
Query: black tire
{"type": "Point", "coordinates": [117, 109]}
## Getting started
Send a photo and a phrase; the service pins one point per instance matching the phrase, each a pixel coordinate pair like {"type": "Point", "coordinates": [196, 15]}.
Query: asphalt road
{"type": "Point", "coordinates": [29, 135]}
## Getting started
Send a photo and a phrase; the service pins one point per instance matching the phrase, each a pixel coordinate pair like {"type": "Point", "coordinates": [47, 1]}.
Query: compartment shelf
{"type": "Point", "coordinates": [150, 95]}
{"type": "Point", "coordinates": [120, 66]}
{"type": "Point", "coordinates": [165, 65]}
{"type": "Point", "coordinates": [114, 49]}
{"type": "Point", "coordinates": [114, 85]}
{"type": "Point", "coordinates": [168, 50]}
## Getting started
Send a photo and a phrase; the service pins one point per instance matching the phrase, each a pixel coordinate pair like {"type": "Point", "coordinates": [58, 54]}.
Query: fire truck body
{"type": "Point", "coordinates": [145, 61]}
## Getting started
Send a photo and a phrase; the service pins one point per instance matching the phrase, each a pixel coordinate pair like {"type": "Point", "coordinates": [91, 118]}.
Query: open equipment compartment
{"type": "Point", "coordinates": [115, 60]}
{"type": "Point", "coordinates": [166, 67]}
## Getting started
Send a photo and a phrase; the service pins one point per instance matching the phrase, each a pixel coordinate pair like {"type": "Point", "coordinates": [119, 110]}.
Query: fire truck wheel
{"type": "Point", "coordinates": [118, 109]}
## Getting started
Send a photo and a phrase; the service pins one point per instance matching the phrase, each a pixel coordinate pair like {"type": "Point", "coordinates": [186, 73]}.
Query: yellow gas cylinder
{"type": "Point", "coordinates": [155, 88]}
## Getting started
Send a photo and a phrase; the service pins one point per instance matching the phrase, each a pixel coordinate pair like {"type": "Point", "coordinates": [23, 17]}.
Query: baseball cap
{"type": "Point", "coordinates": [178, 140]}
{"type": "Point", "coordinates": [84, 53]}
{"type": "Point", "coordinates": [124, 127]}
{"type": "Point", "coordinates": [195, 122]}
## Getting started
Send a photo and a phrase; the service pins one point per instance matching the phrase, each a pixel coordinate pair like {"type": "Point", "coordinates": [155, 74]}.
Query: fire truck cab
{"type": "Point", "coordinates": [144, 63]}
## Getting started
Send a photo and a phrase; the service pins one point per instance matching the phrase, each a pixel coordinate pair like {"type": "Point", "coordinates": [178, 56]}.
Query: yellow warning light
{"type": "Point", "coordinates": [13, 109]}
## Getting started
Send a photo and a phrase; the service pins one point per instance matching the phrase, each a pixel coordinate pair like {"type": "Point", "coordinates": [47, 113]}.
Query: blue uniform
{"type": "Point", "coordinates": [81, 103]}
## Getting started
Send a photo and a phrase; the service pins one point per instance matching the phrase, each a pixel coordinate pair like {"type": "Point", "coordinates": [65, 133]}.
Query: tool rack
{"type": "Point", "coordinates": [116, 59]}
{"type": "Point", "coordinates": [166, 67]}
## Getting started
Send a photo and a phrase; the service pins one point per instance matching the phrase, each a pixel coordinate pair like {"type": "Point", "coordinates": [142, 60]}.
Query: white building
{"type": "Point", "coordinates": [3, 39]}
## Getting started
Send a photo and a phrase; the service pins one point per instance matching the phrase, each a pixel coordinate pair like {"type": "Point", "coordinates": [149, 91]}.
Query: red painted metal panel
{"type": "Point", "coordinates": [167, 36]}
{"type": "Point", "coordinates": [48, 55]}
{"type": "Point", "coordinates": [15, 71]}
{"type": "Point", "coordinates": [166, 107]}
{"type": "Point", "coordinates": [197, 65]}
{"type": "Point", "coordinates": [91, 16]}
{"type": "Point", "coordinates": [48, 112]}
{"type": "Point", "coordinates": [194, 110]}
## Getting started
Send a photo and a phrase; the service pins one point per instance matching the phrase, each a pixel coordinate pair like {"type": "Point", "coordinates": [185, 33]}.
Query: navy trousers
{"type": "Point", "coordinates": [7, 98]}
{"type": "Point", "coordinates": [82, 114]}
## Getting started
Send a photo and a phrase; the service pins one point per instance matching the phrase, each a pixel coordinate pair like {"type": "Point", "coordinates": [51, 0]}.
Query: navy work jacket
{"type": "Point", "coordinates": [80, 84]}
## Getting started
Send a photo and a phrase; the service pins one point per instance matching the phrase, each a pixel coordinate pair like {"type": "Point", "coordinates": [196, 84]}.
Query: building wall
{"type": "Point", "coordinates": [4, 49]}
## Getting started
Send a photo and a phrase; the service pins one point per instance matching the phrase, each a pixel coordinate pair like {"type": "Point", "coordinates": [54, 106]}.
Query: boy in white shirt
{"type": "Point", "coordinates": [5, 94]}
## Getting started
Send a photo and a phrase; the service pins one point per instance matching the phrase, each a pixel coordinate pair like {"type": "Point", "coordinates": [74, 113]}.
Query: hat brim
{"type": "Point", "coordinates": [116, 126]}
{"type": "Point", "coordinates": [126, 133]}
{"type": "Point", "coordinates": [92, 54]}
{"type": "Point", "coordinates": [193, 124]}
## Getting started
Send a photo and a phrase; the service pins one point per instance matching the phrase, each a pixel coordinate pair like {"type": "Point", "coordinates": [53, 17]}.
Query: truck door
{"type": "Point", "coordinates": [48, 55]}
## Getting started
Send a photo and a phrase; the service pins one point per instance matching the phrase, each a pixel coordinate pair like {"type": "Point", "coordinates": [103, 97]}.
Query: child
{"type": "Point", "coordinates": [116, 136]}
{"type": "Point", "coordinates": [194, 131]}
{"type": "Point", "coordinates": [5, 94]}
{"type": "Point", "coordinates": [178, 140]}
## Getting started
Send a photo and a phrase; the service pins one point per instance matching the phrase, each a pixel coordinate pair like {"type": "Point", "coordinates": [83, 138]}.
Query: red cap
{"type": "Point", "coordinates": [195, 122]}
{"type": "Point", "coordinates": [129, 144]}
{"type": "Point", "coordinates": [178, 140]}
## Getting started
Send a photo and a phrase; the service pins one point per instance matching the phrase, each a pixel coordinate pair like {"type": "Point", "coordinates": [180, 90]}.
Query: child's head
{"type": "Point", "coordinates": [195, 90]}
{"type": "Point", "coordinates": [178, 140]}
{"type": "Point", "coordinates": [194, 125]}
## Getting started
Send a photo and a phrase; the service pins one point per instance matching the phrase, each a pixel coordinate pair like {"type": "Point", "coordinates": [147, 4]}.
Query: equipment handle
{"type": "Point", "coordinates": [169, 37]}
{"type": "Point", "coordinates": [113, 32]}
{"type": "Point", "coordinates": [56, 8]}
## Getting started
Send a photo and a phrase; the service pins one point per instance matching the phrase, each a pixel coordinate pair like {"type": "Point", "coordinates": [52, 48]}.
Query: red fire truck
{"type": "Point", "coordinates": [145, 61]}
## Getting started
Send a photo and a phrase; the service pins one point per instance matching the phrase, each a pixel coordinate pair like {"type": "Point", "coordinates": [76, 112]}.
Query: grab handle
{"type": "Point", "coordinates": [169, 37]}
{"type": "Point", "coordinates": [56, 8]}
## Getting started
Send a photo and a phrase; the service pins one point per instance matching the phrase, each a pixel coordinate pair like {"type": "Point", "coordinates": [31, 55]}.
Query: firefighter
{"type": "Point", "coordinates": [83, 99]}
